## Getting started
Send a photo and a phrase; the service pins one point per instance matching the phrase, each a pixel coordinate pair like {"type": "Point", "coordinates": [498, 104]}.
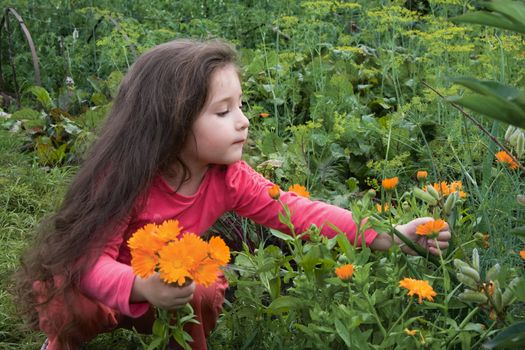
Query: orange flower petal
{"type": "Point", "coordinates": [274, 192]}
{"type": "Point", "coordinates": [420, 287]}
{"type": "Point", "coordinates": [299, 190]}
{"type": "Point", "coordinates": [390, 183]}
{"type": "Point", "coordinates": [169, 230]}
{"type": "Point", "coordinates": [430, 228]}
{"type": "Point", "coordinates": [219, 251]}
{"type": "Point", "coordinates": [503, 157]}
{"type": "Point", "coordinates": [345, 272]}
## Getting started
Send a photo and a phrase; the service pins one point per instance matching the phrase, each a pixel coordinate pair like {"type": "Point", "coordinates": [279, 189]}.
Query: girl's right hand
{"type": "Point", "coordinates": [158, 293]}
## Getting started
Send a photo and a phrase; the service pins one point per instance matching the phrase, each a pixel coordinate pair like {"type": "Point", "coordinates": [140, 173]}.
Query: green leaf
{"type": "Point", "coordinates": [281, 235]}
{"type": "Point", "coordinates": [42, 96]}
{"type": "Point", "coordinates": [494, 107]}
{"type": "Point", "coordinates": [504, 14]}
{"type": "Point", "coordinates": [512, 337]}
{"type": "Point", "coordinates": [343, 332]}
{"type": "Point", "coordinates": [519, 231]}
{"type": "Point", "coordinates": [284, 304]}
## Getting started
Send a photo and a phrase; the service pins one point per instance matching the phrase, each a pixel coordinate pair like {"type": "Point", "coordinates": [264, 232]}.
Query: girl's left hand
{"type": "Point", "coordinates": [409, 230]}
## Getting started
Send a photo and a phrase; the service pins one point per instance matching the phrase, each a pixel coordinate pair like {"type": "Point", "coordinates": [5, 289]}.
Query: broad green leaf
{"type": "Point", "coordinates": [488, 87]}
{"type": "Point", "coordinates": [504, 14]}
{"type": "Point", "coordinates": [494, 107]}
{"type": "Point", "coordinates": [284, 304]}
{"type": "Point", "coordinates": [512, 337]}
{"type": "Point", "coordinates": [42, 96]}
{"type": "Point", "coordinates": [343, 332]}
{"type": "Point", "coordinates": [491, 20]}
{"type": "Point", "coordinates": [513, 10]}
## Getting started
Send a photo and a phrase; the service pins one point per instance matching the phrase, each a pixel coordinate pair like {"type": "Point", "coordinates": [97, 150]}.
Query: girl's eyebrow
{"type": "Point", "coordinates": [226, 99]}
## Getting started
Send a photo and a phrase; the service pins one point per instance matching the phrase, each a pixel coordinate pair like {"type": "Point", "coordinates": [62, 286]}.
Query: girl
{"type": "Point", "coordinates": [170, 148]}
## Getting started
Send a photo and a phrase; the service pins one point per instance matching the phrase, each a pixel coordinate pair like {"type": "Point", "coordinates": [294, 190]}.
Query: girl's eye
{"type": "Point", "coordinates": [222, 114]}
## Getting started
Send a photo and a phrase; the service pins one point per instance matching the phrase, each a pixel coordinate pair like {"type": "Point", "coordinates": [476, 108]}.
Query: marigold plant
{"type": "Point", "coordinates": [299, 190]}
{"type": "Point", "coordinates": [421, 288]}
{"type": "Point", "coordinates": [446, 189]}
{"type": "Point", "coordinates": [522, 254]}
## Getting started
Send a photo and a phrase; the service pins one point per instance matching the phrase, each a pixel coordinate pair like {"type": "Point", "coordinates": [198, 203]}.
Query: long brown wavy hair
{"type": "Point", "coordinates": [150, 121]}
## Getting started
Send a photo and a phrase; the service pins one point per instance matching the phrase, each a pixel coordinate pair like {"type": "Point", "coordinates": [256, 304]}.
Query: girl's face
{"type": "Point", "coordinates": [221, 128]}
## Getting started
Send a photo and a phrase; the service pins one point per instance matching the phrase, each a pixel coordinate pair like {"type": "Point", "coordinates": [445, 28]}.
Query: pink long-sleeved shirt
{"type": "Point", "coordinates": [237, 188]}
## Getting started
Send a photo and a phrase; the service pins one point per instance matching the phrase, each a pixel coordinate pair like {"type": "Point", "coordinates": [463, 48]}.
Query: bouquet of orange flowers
{"type": "Point", "coordinates": [178, 257]}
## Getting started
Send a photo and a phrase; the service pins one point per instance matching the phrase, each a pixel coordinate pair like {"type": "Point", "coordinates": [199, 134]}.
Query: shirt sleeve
{"type": "Point", "coordinates": [250, 198]}
{"type": "Point", "coordinates": [110, 281]}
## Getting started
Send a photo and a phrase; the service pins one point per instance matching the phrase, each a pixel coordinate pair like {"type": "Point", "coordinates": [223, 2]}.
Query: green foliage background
{"type": "Point", "coordinates": [341, 82]}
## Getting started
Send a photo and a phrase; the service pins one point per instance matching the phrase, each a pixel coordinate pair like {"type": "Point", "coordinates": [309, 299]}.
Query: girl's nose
{"type": "Point", "coordinates": [243, 122]}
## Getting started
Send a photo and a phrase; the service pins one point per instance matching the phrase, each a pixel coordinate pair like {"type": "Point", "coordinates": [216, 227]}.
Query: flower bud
{"type": "Point", "coordinates": [520, 145]}
{"type": "Point", "coordinates": [509, 132]}
{"type": "Point", "coordinates": [475, 259]}
{"type": "Point", "coordinates": [424, 196]}
{"type": "Point", "coordinates": [521, 199]}
{"type": "Point", "coordinates": [450, 203]}
{"type": "Point", "coordinates": [467, 281]}
{"type": "Point", "coordinates": [473, 297]}
{"type": "Point", "coordinates": [274, 192]}
{"type": "Point", "coordinates": [493, 272]}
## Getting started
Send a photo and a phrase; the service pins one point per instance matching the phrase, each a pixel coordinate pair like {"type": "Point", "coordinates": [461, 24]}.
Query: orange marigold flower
{"type": "Point", "coordinates": [144, 263]}
{"type": "Point", "coordinates": [299, 190]}
{"type": "Point", "coordinates": [422, 175]}
{"type": "Point", "coordinates": [444, 189]}
{"type": "Point", "coordinates": [180, 259]}
{"type": "Point", "coordinates": [419, 287]}
{"type": "Point", "coordinates": [264, 115]}
{"type": "Point", "coordinates": [504, 158]}
{"type": "Point", "coordinates": [522, 254]}
{"type": "Point", "coordinates": [274, 192]}
{"type": "Point", "coordinates": [390, 183]}
{"type": "Point", "coordinates": [158, 248]}
{"type": "Point", "coordinates": [410, 332]}
{"type": "Point", "coordinates": [219, 251]}
{"type": "Point", "coordinates": [144, 246]}
{"type": "Point", "coordinates": [431, 228]}
{"type": "Point", "coordinates": [382, 208]}
{"type": "Point", "coordinates": [169, 230]}
{"type": "Point", "coordinates": [345, 272]}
